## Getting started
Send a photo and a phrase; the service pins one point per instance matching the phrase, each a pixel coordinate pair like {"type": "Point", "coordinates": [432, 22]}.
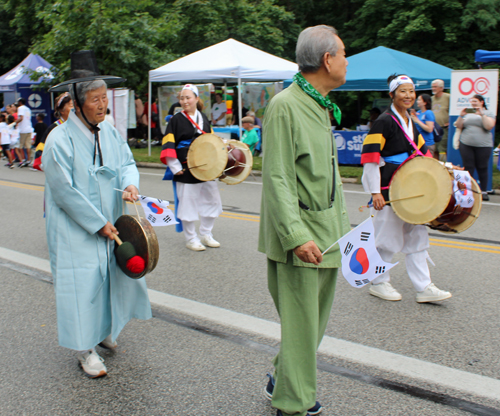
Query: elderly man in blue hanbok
{"type": "Point", "coordinates": [84, 160]}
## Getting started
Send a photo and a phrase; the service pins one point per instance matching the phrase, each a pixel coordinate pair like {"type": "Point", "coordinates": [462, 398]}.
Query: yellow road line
{"type": "Point", "coordinates": [255, 218]}
{"type": "Point", "coordinates": [466, 248]}
{"type": "Point", "coordinates": [465, 244]}
{"type": "Point", "coordinates": [239, 218]}
{"type": "Point", "coordinates": [22, 186]}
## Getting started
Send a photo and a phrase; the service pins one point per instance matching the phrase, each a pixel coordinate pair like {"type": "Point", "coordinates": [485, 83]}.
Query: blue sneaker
{"type": "Point", "coordinates": [268, 392]}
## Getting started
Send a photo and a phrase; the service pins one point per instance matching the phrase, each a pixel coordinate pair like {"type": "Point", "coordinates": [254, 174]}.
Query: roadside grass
{"type": "Point", "coordinates": [141, 155]}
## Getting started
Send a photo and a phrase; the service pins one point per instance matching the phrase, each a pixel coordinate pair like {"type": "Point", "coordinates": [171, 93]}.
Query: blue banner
{"type": "Point", "coordinates": [349, 144]}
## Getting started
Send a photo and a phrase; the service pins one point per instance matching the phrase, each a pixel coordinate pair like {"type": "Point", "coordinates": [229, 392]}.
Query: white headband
{"type": "Point", "coordinates": [402, 79]}
{"type": "Point", "coordinates": [62, 98]}
{"type": "Point", "coordinates": [192, 88]}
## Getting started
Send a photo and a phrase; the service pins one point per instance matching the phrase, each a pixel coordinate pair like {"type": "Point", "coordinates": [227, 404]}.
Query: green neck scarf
{"type": "Point", "coordinates": [312, 92]}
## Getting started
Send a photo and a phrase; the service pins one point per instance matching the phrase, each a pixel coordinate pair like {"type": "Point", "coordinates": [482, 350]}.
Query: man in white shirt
{"type": "Point", "coordinates": [25, 129]}
{"type": "Point", "coordinates": [219, 111]}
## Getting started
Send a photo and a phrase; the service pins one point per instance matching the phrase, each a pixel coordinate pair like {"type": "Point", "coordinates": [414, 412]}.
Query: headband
{"type": "Point", "coordinates": [62, 98]}
{"type": "Point", "coordinates": [192, 88]}
{"type": "Point", "coordinates": [401, 79]}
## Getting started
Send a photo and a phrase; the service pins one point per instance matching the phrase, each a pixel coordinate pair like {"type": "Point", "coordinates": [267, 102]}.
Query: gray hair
{"type": "Point", "coordinates": [312, 45]}
{"type": "Point", "coordinates": [438, 83]}
{"type": "Point", "coordinates": [82, 88]}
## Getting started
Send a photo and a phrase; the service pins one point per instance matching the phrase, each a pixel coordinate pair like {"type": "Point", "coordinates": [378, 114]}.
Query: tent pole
{"type": "Point", "coordinates": [224, 94]}
{"type": "Point", "coordinates": [149, 118]}
{"type": "Point", "coordinates": [239, 104]}
{"type": "Point", "coordinates": [359, 108]}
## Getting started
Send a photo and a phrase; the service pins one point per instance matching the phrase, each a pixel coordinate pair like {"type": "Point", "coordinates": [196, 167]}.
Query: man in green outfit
{"type": "Point", "coordinates": [303, 212]}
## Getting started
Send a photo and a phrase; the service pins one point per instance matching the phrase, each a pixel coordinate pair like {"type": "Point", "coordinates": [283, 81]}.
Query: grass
{"type": "Point", "coordinates": [141, 155]}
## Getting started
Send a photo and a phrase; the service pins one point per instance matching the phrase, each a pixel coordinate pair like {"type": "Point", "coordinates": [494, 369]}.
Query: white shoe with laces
{"type": "Point", "coordinates": [195, 245]}
{"type": "Point", "coordinates": [108, 343]}
{"type": "Point", "coordinates": [92, 364]}
{"type": "Point", "coordinates": [432, 294]}
{"type": "Point", "coordinates": [385, 291]}
{"type": "Point", "coordinates": [209, 241]}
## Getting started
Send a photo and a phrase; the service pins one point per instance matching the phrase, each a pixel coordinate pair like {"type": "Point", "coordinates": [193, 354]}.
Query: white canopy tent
{"type": "Point", "coordinates": [228, 61]}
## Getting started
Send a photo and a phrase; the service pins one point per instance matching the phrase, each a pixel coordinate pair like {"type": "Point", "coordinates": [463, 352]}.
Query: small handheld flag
{"type": "Point", "coordinates": [157, 212]}
{"type": "Point", "coordinates": [462, 189]}
{"type": "Point", "coordinates": [361, 262]}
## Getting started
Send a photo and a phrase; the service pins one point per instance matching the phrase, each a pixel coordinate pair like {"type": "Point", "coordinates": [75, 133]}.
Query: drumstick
{"type": "Point", "coordinates": [406, 197]}
{"type": "Point", "coordinates": [127, 256]}
{"type": "Point", "coordinates": [388, 202]}
{"type": "Point", "coordinates": [193, 167]}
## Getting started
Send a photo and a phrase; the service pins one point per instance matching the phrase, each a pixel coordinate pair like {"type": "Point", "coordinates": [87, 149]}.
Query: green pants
{"type": "Point", "coordinates": [303, 297]}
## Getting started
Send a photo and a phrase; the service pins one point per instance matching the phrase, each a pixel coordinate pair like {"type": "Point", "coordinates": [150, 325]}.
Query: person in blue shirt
{"type": "Point", "coordinates": [424, 120]}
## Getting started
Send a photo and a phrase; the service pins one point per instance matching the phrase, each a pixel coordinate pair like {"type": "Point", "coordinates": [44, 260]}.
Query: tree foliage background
{"type": "Point", "coordinates": [130, 37]}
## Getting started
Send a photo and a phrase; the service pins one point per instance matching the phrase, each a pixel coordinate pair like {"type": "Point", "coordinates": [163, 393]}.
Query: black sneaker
{"type": "Point", "coordinates": [268, 392]}
{"type": "Point", "coordinates": [486, 197]}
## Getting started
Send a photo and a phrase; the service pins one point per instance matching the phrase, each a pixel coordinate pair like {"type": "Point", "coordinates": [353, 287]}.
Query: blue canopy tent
{"type": "Point", "coordinates": [369, 70]}
{"type": "Point", "coordinates": [17, 83]}
{"type": "Point", "coordinates": [486, 57]}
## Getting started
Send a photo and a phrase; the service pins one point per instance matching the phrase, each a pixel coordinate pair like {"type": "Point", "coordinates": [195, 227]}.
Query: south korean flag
{"type": "Point", "coordinates": [157, 211]}
{"type": "Point", "coordinates": [361, 262]}
{"type": "Point", "coordinates": [463, 197]}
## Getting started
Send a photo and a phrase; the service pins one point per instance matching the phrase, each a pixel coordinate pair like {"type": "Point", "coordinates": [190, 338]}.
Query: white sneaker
{"type": "Point", "coordinates": [209, 241]}
{"type": "Point", "coordinates": [432, 294]}
{"type": "Point", "coordinates": [195, 245]}
{"type": "Point", "coordinates": [385, 291]}
{"type": "Point", "coordinates": [108, 343]}
{"type": "Point", "coordinates": [92, 364]}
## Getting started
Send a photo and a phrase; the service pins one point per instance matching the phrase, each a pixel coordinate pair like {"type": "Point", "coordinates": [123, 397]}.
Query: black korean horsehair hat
{"type": "Point", "coordinates": [84, 68]}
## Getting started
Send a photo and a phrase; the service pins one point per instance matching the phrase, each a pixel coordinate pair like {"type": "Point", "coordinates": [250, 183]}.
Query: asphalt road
{"type": "Point", "coordinates": [182, 364]}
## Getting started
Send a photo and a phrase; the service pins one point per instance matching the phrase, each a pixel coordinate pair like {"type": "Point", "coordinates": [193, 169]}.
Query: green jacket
{"type": "Point", "coordinates": [297, 165]}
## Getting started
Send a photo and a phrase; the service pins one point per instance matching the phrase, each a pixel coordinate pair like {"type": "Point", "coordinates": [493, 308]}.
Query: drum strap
{"type": "Point", "coordinates": [193, 122]}
{"type": "Point", "coordinates": [417, 152]}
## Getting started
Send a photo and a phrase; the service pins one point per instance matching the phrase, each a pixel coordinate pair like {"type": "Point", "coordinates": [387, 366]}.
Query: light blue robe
{"type": "Point", "coordinates": [94, 297]}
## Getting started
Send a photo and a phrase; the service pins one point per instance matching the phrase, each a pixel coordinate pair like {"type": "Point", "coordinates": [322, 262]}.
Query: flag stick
{"type": "Point", "coordinates": [342, 236]}
{"type": "Point", "coordinates": [133, 203]}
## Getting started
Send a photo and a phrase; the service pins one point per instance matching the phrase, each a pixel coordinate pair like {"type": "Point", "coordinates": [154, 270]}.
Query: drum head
{"type": "Point", "coordinates": [471, 219]}
{"type": "Point", "coordinates": [143, 237]}
{"type": "Point", "coordinates": [421, 176]}
{"type": "Point", "coordinates": [247, 168]}
{"type": "Point", "coordinates": [207, 157]}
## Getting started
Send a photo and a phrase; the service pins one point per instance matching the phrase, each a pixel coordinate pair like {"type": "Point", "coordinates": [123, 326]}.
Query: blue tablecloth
{"type": "Point", "coordinates": [228, 129]}
{"type": "Point", "coordinates": [349, 144]}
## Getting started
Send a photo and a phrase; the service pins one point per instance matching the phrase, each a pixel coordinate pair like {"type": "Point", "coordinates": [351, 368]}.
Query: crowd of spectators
{"type": "Point", "coordinates": [17, 133]}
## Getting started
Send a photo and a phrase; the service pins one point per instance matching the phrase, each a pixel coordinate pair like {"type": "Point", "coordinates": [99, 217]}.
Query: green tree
{"type": "Point", "coordinates": [444, 31]}
{"type": "Point", "coordinates": [259, 23]}
{"type": "Point", "coordinates": [19, 25]}
{"type": "Point", "coordinates": [127, 36]}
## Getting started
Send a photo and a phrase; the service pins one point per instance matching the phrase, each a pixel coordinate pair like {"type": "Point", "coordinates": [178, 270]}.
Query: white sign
{"type": "Point", "coordinates": [466, 84]}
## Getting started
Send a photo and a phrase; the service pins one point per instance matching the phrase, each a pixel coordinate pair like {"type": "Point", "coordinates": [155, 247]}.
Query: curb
{"type": "Point", "coordinates": [152, 165]}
